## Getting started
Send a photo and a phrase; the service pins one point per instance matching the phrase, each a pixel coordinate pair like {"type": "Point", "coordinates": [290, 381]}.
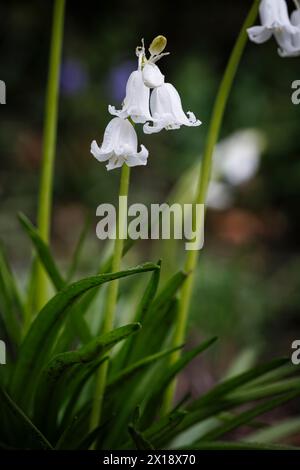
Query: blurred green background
{"type": "Point", "coordinates": [248, 285]}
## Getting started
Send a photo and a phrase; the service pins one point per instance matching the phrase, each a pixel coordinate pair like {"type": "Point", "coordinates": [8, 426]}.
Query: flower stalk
{"type": "Point", "coordinates": [49, 144]}
{"type": "Point", "coordinates": [297, 3]}
{"type": "Point", "coordinates": [111, 300]}
{"type": "Point", "coordinates": [202, 187]}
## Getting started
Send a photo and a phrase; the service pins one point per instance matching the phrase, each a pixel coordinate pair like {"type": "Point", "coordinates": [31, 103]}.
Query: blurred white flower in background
{"type": "Point", "coordinates": [237, 158]}
{"type": "Point", "coordinates": [219, 196]}
{"type": "Point", "coordinates": [236, 161]}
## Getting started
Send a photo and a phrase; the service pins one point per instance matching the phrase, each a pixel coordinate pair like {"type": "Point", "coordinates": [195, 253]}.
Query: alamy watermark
{"type": "Point", "coordinates": [296, 94]}
{"type": "Point", "coordinates": [2, 352]}
{"type": "Point", "coordinates": [159, 221]}
{"type": "Point", "coordinates": [295, 357]}
{"type": "Point", "coordinates": [2, 92]}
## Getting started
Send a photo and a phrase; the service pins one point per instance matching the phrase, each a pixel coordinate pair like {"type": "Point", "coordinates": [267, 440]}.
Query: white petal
{"type": "Point", "coordinates": [97, 152]}
{"type": "Point", "coordinates": [289, 53]}
{"type": "Point", "coordinates": [139, 158]}
{"type": "Point", "coordinates": [295, 20]}
{"type": "Point", "coordinates": [259, 34]}
{"type": "Point", "coordinates": [274, 14]}
{"type": "Point", "coordinates": [127, 139]}
{"type": "Point", "coordinates": [117, 112]}
{"type": "Point", "coordinates": [284, 40]}
{"type": "Point", "coordinates": [152, 76]}
{"type": "Point", "coordinates": [136, 102]}
{"type": "Point", "coordinates": [167, 112]}
{"type": "Point", "coordinates": [115, 162]}
{"type": "Point", "coordinates": [163, 122]}
{"type": "Point", "coordinates": [111, 135]}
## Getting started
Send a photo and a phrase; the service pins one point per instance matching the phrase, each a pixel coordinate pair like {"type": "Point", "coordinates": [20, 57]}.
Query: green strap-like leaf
{"type": "Point", "coordinates": [61, 363]}
{"type": "Point", "coordinates": [138, 438]}
{"type": "Point", "coordinates": [211, 403]}
{"type": "Point", "coordinates": [156, 392]}
{"type": "Point", "coordinates": [11, 308]}
{"type": "Point", "coordinates": [123, 357]}
{"type": "Point", "coordinates": [156, 326]}
{"type": "Point", "coordinates": [275, 432]}
{"type": "Point", "coordinates": [39, 340]}
{"type": "Point", "coordinates": [248, 416]}
{"type": "Point", "coordinates": [116, 381]}
{"type": "Point", "coordinates": [264, 391]}
{"type": "Point", "coordinates": [222, 445]}
{"type": "Point", "coordinates": [43, 252]}
{"type": "Point", "coordinates": [237, 381]}
{"type": "Point", "coordinates": [25, 426]}
{"type": "Point", "coordinates": [78, 249]}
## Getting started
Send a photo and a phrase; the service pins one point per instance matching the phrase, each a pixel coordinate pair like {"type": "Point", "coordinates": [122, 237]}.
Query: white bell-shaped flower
{"type": "Point", "coordinates": [295, 20]}
{"type": "Point", "coordinates": [119, 146]}
{"type": "Point", "coordinates": [136, 102]}
{"type": "Point", "coordinates": [167, 112]}
{"type": "Point", "coordinates": [152, 76]}
{"type": "Point", "coordinates": [275, 20]}
{"type": "Point", "coordinates": [290, 43]}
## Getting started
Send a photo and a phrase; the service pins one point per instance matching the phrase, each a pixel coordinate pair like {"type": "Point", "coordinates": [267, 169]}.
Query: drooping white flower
{"type": "Point", "coordinates": [290, 43]}
{"type": "Point", "coordinates": [167, 112]}
{"type": "Point", "coordinates": [295, 20]}
{"type": "Point", "coordinates": [136, 102]}
{"type": "Point", "coordinates": [274, 21]}
{"type": "Point", "coordinates": [119, 146]}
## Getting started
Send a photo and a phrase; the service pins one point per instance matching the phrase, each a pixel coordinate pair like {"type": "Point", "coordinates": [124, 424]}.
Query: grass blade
{"type": "Point", "coordinates": [156, 326]}
{"type": "Point", "coordinates": [61, 363]}
{"type": "Point", "coordinates": [78, 249]}
{"type": "Point", "coordinates": [249, 415]}
{"type": "Point", "coordinates": [215, 445]}
{"type": "Point", "coordinates": [24, 426]}
{"type": "Point", "coordinates": [276, 432]}
{"type": "Point", "coordinates": [168, 375]}
{"type": "Point", "coordinates": [117, 380]}
{"type": "Point", "coordinates": [38, 342]}
{"type": "Point", "coordinates": [211, 403]}
{"type": "Point", "coordinates": [143, 308]}
{"type": "Point", "coordinates": [43, 252]}
{"type": "Point", "coordinates": [10, 301]}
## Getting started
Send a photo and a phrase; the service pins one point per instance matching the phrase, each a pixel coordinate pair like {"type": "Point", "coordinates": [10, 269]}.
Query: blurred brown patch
{"type": "Point", "coordinates": [239, 226]}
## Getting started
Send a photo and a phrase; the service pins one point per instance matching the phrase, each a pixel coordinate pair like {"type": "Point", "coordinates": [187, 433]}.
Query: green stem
{"type": "Point", "coordinates": [111, 299]}
{"type": "Point", "coordinates": [49, 144]}
{"type": "Point", "coordinates": [203, 183]}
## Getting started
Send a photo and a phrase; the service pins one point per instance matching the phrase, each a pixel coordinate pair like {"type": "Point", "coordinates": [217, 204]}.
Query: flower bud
{"type": "Point", "coordinates": [152, 76]}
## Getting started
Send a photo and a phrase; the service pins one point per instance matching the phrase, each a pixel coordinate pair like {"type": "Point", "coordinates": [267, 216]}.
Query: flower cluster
{"type": "Point", "coordinates": [149, 101]}
{"type": "Point", "coordinates": [275, 21]}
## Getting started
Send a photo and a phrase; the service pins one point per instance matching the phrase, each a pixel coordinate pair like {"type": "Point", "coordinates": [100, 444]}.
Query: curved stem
{"type": "Point", "coordinates": [297, 3]}
{"type": "Point", "coordinates": [203, 183]}
{"type": "Point", "coordinates": [49, 143]}
{"type": "Point", "coordinates": [112, 295]}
